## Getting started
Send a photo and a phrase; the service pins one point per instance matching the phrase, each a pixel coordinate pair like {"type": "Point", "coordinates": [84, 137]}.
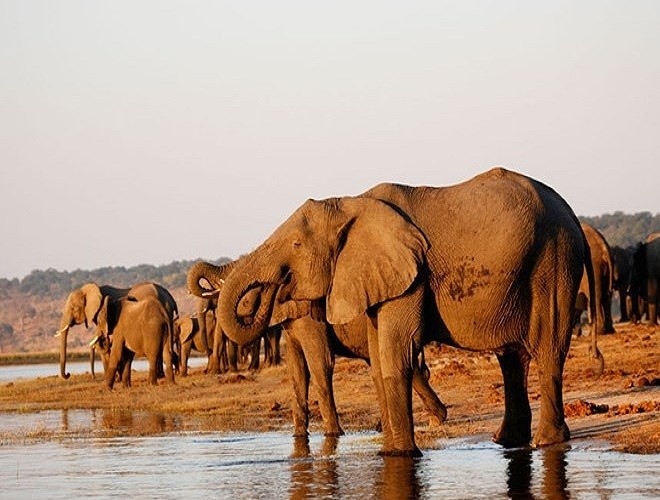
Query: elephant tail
{"type": "Point", "coordinates": [593, 310]}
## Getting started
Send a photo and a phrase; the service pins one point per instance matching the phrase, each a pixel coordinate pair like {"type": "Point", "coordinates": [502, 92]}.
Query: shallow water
{"type": "Point", "coordinates": [275, 465]}
{"type": "Point", "coordinates": [22, 372]}
{"type": "Point", "coordinates": [67, 454]}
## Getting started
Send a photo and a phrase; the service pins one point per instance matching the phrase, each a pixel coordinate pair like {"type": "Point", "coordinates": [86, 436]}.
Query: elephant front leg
{"type": "Point", "coordinates": [126, 363]}
{"type": "Point", "coordinates": [320, 360]}
{"type": "Point", "coordinates": [114, 361]}
{"type": "Point", "coordinates": [515, 429]}
{"type": "Point", "coordinates": [300, 380]}
{"type": "Point", "coordinates": [377, 377]}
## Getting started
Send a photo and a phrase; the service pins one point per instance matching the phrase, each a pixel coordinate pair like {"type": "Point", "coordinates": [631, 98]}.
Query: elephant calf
{"type": "Point", "coordinates": [137, 328]}
{"type": "Point", "coordinates": [188, 335]}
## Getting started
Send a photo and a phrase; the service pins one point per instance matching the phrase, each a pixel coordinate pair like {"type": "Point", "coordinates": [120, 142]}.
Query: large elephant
{"type": "Point", "coordinates": [83, 305]}
{"type": "Point", "coordinates": [493, 263]}
{"type": "Point", "coordinates": [312, 344]}
{"type": "Point", "coordinates": [645, 277]}
{"type": "Point", "coordinates": [130, 328]}
{"type": "Point", "coordinates": [602, 263]}
{"type": "Point", "coordinates": [623, 260]}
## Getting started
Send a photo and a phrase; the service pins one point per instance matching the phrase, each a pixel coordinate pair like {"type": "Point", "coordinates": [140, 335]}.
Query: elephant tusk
{"type": "Point", "coordinates": [61, 331]}
{"type": "Point", "coordinates": [211, 293]}
{"type": "Point", "coordinates": [94, 341]}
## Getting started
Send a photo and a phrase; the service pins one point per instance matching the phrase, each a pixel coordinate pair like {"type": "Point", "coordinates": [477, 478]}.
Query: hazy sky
{"type": "Point", "coordinates": [151, 131]}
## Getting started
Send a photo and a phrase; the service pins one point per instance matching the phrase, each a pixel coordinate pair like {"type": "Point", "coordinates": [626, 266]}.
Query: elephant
{"type": "Point", "coordinates": [623, 258]}
{"type": "Point", "coordinates": [490, 264]}
{"type": "Point", "coordinates": [130, 328]}
{"type": "Point", "coordinates": [645, 277]}
{"type": "Point", "coordinates": [312, 344]}
{"type": "Point", "coordinates": [602, 263]}
{"type": "Point", "coordinates": [188, 335]}
{"type": "Point", "coordinates": [83, 305]}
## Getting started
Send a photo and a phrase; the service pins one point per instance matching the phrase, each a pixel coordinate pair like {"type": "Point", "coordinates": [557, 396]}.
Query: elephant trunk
{"type": "Point", "coordinates": [63, 333]}
{"type": "Point", "coordinates": [92, 358]}
{"type": "Point", "coordinates": [236, 327]}
{"type": "Point", "coordinates": [214, 275]}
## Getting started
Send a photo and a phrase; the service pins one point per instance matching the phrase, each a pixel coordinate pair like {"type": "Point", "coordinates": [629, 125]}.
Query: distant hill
{"type": "Point", "coordinates": [30, 308]}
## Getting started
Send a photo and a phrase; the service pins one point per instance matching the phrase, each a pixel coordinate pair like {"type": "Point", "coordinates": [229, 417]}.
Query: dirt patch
{"type": "Point", "coordinates": [622, 405]}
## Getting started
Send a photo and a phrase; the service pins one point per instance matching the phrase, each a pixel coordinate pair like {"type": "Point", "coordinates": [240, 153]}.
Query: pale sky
{"type": "Point", "coordinates": [143, 132]}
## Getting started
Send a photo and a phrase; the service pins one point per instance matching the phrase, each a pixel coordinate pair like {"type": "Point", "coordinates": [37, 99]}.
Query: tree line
{"type": "Point", "coordinates": [53, 284]}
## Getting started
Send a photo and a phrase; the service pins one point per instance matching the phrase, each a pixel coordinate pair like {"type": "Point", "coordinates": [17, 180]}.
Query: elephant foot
{"type": "Point", "coordinates": [438, 417]}
{"type": "Point", "coordinates": [300, 433]}
{"type": "Point", "coordinates": [547, 435]}
{"type": "Point", "coordinates": [400, 453]}
{"type": "Point", "coordinates": [334, 433]}
{"type": "Point", "coordinates": [512, 438]}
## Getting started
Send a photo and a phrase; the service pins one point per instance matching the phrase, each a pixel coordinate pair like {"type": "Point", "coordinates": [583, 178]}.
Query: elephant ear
{"type": "Point", "coordinates": [102, 318]}
{"type": "Point", "coordinates": [379, 257]}
{"type": "Point", "coordinates": [186, 329]}
{"type": "Point", "coordinates": [93, 299]}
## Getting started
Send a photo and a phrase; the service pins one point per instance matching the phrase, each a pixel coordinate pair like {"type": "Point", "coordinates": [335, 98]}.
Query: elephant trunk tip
{"type": "Point", "coordinates": [65, 376]}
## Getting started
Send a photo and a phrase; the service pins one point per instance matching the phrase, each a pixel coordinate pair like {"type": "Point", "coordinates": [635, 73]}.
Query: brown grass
{"type": "Point", "coordinates": [469, 383]}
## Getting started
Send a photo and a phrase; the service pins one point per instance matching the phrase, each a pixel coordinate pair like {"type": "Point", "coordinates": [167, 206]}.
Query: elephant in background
{"type": "Point", "coordinates": [493, 263]}
{"type": "Point", "coordinates": [312, 344]}
{"type": "Point", "coordinates": [645, 278]}
{"type": "Point", "coordinates": [83, 305]}
{"type": "Point", "coordinates": [130, 328]}
{"type": "Point", "coordinates": [602, 263]}
{"type": "Point", "coordinates": [188, 335]}
{"type": "Point", "coordinates": [623, 260]}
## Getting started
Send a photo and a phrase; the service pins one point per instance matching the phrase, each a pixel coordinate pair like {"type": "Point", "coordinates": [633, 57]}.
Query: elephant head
{"type": "Point", "coordinates": [353, 253]}
{"type": "Point", "coordinates": [81, 307]}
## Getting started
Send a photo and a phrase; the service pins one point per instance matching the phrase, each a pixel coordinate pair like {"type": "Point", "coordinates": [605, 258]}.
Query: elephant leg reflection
{"type": "Point", "coordinates": [554, 471]}
{"type": "Point", "coordinates": [516, 425]}
{"type": "Point", "coordinates": [399, 478]}
{"type": "Point", "coordinates": [329, 446]}
{"type": "Point", "coordinates": [314, 478]}
{"type": "Point", "coordinates": [519, 472]}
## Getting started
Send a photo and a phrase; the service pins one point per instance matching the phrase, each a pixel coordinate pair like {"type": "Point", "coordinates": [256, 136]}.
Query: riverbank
{"type": "Point", "coordinates": [622, 406]}
{"type": "Point", "coordinates": [33, 358]}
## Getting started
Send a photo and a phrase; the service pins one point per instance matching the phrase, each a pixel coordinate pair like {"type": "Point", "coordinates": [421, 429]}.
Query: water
{"type": "Point", "coordinates": [21, 372]}
{"type": "Point", "coordinates": [275, 465]}
{"type": "Point", "coordinates": [67, 454]}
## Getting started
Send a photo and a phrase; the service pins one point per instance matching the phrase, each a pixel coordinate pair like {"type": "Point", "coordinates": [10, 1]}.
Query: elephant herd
{"type": "Point", "coordinates": [497, 263]}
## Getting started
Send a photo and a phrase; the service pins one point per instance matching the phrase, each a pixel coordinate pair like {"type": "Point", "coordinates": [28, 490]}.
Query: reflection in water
{"type": "Point", "coordinates": [399, 478]}
{"type": "Point", "coordinates": [314, 478]}
{"type": "Point", "coordinates": [552, 471]}
{"type": "Point", "coordinates": [273, 465]}
{"type": "Point", "coordinates": [555, 483]}
{"type": "Point", "coordinates": [519, 472]}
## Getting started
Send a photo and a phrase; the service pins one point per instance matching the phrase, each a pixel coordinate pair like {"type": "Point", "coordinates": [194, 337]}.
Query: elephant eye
{"type": "Point", "coordinates": [296, 244]}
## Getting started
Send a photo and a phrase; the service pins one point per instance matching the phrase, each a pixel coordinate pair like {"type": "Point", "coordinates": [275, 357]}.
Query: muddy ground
{"type": "Point", "coordinates": [621, 406]}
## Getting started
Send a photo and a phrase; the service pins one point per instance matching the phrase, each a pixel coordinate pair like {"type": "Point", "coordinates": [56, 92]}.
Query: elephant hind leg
{"type": "Point", "coordinates": [515, 429]}
{"type": "Point", "coordinates": [420, 382]}
{"type": "Point", "coordinates": [550, 357]}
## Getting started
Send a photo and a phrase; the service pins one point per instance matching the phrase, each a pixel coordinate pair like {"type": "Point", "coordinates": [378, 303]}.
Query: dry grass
{"type": "Point", "coordinates": [469, 383]}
